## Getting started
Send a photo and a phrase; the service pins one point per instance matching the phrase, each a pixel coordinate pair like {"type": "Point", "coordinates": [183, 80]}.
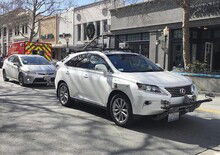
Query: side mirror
{"type": "Point", "coordinates": [158, 65]}
{"type": "Point", "coordinates": [101, 67]}
{"type": "Point", "coordinates": [16, 64]}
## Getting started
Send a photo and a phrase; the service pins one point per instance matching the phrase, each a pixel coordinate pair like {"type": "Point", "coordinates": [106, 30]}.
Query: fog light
{"type": "Point", "coordinates": [147, 102]}
{"type": "Point", "coordinates": [165, 104]}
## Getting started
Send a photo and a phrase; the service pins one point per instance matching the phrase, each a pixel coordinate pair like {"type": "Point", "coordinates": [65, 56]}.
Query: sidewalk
{"type": "Point", "coordinates": [211, 107]}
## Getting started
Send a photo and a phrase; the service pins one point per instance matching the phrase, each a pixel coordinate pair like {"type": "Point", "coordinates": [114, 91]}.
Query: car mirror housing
{"type": "Point", "coordinates": [101, 67]}
{"type": "Point", "coordinates": [16, 64]}
{"type": "Point", "coordinates": [158, 65]}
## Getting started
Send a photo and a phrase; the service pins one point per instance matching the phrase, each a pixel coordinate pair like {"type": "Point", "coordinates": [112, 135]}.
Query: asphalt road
{"type": "Point", "coordinates": [33, 122]}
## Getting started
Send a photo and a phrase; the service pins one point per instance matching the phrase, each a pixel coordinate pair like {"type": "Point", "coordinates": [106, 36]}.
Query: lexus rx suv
{"type": "Point", "coordinates": [126, 84]}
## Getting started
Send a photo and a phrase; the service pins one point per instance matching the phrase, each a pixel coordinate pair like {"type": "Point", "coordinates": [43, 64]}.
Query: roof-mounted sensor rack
{"type": "Point", "coordinates": [104, 43]}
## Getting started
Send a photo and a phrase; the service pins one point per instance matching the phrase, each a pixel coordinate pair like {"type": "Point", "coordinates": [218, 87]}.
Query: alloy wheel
{"type": "Point", "coordinates": [120, 110]}
{"type": "Point", "coordinates": [64, 94]}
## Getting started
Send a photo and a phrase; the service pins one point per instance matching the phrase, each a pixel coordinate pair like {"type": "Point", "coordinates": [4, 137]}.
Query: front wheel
{"type": "Point", "coordinates": [121, 110]}
{"type": "Point", "coordinates": [21, 79]}
{"type": "Point", "coordinates": [63, 94]}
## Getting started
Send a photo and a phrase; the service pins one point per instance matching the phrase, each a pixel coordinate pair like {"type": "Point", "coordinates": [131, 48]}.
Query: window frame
{"type": "Point", "coordinates": [90, 54]}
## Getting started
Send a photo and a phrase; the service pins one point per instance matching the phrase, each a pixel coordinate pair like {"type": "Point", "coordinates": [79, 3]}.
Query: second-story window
{"type": "Point", "coordinates": [17, 30]}
{"type": "Point", "coordinates": [4, 31]}
{"type": "Point", "coordinates": [84, 29]}
{"type": "Point", "coordinates": [79, 32]}
{"type": "Point", "coordinates": [25, 29]}
{"type": "Point", "coordinates": [10, 32]}
{"type": "Point", "coordinates": [98, 28]}
{"type": "Point", "coordinates": [105, 25]}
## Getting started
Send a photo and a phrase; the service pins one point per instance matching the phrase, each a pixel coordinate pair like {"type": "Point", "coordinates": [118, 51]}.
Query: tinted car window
{"type": "Point", "coordinates": [133, 63]}
{"type": "Point", "coordinates": [11, 58]}
{"type": "Point", "coordinates": [34, 60]}
{"type": "Point", "coordinates": [95, 60]}
{"type": "Point", "coordinates": [16, 60]}
{"type": "Point", "coordinates": [79, 61]}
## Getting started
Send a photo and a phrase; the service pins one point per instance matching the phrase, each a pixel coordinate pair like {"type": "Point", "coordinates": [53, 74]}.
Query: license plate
{"type": "Point", "coordinates": [47, 78]}
{"type": "Point", "coordinates": [173, 117]}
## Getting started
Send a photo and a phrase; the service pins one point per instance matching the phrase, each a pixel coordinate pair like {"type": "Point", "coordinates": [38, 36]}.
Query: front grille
{"type": "Point", "coordinates": [176, 91]}
{"type": "Point", "coordinates": [39, 80]}
{"type": "Point", "coordinates": [45, 73]}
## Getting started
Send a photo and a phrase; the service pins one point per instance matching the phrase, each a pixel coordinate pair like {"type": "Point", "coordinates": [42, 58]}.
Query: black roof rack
{"type": "Point", "coordinates": [94, 45]}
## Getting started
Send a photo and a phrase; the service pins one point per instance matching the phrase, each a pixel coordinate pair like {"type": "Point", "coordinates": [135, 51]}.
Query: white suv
{"type": "Point", "coordinates": [126, 84]}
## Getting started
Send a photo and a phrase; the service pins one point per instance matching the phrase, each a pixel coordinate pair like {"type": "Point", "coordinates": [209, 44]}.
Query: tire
{"type": "Point", "coordinates": [121, 110]}
{"type": "Point", "coordinates": [21, 79]}
{"type": "Point", "coordinates": [63, 94]}
{"type": "Point", "coordinates": [5, 76]}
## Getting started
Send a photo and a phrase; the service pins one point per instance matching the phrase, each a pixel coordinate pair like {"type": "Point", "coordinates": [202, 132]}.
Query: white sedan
{"type": "Point", "coordinates": [126, 84]}
{"type": "Point", "coordinates": [28, 69]}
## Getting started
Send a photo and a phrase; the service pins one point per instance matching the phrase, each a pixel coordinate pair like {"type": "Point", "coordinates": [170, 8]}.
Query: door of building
{"type": "Point", "coordinates": [216, 56]}
{"type": "Point", "coordinates": [177, 55]}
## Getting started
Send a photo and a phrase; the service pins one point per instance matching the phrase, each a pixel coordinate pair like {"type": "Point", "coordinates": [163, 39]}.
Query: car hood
{"type": "Point", "coordinates": [39, 68]}
{"type": "Point", "coordinates": [162, 79]}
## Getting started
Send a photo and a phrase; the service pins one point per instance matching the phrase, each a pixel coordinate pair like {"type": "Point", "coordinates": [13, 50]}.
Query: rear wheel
{"type": "Point", "coordinates": [63, 94]}
{"type": "Point", "coordinates": [5, 76]}
{"type": "Point", "coordinates": [121, 111]}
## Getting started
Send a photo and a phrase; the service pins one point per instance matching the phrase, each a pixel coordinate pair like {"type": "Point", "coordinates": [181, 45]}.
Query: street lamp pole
{"type": "Point", "coordinates": [67, 45]}
{"type": "Point", "coordinates": [66, 36]}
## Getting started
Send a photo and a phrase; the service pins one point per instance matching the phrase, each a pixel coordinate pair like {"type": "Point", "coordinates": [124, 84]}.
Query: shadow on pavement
{"type": "Point", "coordinates": [40, 121]}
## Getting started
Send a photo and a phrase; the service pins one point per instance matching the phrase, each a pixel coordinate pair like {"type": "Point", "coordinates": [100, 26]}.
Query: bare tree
{"type": "Point", "coordinates": [34, 11]}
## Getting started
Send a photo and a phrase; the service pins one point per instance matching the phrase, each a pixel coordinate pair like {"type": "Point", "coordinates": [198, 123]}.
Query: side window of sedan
{"type": "Point", "coordinates": [10, 59]}
{"type": "Point", "coordinates": [16, 60]}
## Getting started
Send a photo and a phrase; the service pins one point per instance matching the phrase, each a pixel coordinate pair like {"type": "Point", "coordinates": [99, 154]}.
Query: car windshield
{"type": "Point", "coordinates": [28, 60]}
{"type": "Point", "coordinates": [133, 63]}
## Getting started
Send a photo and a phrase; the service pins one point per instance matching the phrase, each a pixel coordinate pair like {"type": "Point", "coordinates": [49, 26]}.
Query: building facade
{"type": "Point", "coordinates": [14, 27]}
{"type": "Point", "coordinates": [48, 32]}
{"type": "Point", "coordinates": [141, 26]}
{"type": "Point", "coordinates": [96, 16]}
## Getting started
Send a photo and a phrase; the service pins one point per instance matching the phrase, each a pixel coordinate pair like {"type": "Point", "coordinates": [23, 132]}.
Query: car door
{"type": "Point", "coordinates": [15, 68]}
{"type": "Point", "coordinates": [96, 85]}
{"type": "Point", "coordinates": [72, 77]}
{"type": "Point", "coordinates": [8, 66]}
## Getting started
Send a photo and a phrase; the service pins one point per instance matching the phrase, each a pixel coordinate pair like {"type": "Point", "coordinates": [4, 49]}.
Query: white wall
{"type": "Point", "coordinates": [90, 13]}
{"type": "Point", "coordinates": [65, 25]}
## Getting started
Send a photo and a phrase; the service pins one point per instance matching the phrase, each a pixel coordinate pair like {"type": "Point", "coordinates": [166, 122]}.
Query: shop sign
{"type": "Point", "coordinates": [47, 36]}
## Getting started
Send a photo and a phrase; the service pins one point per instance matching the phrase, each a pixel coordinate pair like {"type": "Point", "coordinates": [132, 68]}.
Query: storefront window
{"type": "Point", "coordinates": [134, 37]}
{"type": "Point", "coordinates": [122, 38]}
{"type": "Point", "coordinates": [146, 36]}
{"type": "Point", "coordinates": [177, 34]}
{"type": "Point", "coordinates": [217, 34]}
{"type": "Point", "coordinates": [206, 34]}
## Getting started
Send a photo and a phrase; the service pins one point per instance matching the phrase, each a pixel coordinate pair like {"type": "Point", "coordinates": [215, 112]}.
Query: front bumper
{"type": "Point", "coordinates": [39, 79]}
{"type": "Point", "coordinates": [183, 108]}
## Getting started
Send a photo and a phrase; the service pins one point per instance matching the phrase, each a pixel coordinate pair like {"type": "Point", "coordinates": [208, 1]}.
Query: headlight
{"type": "Point", "coordinates": [150, 88]}
{"type": "Point", "coordinates": [30, 72]}
{"type": "Point", "coordinates": [193, 88]}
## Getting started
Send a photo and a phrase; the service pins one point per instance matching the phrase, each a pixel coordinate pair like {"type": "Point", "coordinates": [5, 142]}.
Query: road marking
{"type": "Point", "coordinates": [209, 110]}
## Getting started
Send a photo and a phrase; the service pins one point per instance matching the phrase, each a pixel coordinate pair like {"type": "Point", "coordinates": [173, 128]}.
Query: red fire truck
{"type": "Point", "coordinates": [35, 48]}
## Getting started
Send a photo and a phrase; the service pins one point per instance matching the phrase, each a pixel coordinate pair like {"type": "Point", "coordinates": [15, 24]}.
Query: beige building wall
{"type": "Point", "coordinates": [48, 30]}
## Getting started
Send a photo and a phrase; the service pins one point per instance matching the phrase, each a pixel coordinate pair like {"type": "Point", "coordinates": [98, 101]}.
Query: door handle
{"type": "Point", "coordinates": [85, 76]}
